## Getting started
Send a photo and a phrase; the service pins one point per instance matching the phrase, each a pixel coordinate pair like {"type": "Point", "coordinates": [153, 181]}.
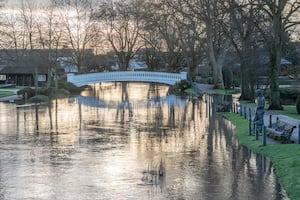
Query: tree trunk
{"type": "Point", "coordinates": [274, 101]}
{"type": "Point", "coordinates": [218, 76]}
{"type": "Point", "coordinates": [246, 93]}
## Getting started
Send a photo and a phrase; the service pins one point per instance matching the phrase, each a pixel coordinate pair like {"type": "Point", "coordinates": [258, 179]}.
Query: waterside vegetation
{"type": "Point", "coordinates": [285, 157]}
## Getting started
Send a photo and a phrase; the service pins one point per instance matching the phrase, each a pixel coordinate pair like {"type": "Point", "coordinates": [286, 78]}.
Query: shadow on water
{"type": "Point", "coordinates": [128, 141]}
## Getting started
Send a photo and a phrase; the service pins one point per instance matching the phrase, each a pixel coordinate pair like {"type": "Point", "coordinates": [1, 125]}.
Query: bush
{"type": "Point", "coordinates": [70, 87]}
{"type": "Point", "coordinates": [28, 91]}
{"type": "Point", "coordinates": [39, 99]}
{"type": "Point", "coordinates": [289, 93]}
{"type": "Point", "coordinates": [298, 105]}
{"type": "Point", "coordinates": [227, 77]}
{"type": "Point", "coordinates": [236, 83]}
{"type": "Point", "coordinates": [181, 87]}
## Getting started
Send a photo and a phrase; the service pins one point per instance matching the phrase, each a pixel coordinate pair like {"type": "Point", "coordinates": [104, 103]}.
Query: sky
{"type": "Point", "coordinates": [18, 2]}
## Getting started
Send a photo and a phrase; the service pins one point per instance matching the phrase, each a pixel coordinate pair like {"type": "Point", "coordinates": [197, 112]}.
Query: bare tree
{"type": "Point", "coordinates": [122, 25]}
{"type": "Point", "coordinates": [12, 32]}
{"type": "Point", "coordinates": [244, 37]}
{"type": "Point", "coordinates": [162, 32]}
{"type": "Point", "coordinates": [281, 17]}
{"type": "Point", "coordinates": [80, 27]}
{"type": "Point", "coordinates": [50, 33]}
{"type": "Point", "coordinates": [208, 15]}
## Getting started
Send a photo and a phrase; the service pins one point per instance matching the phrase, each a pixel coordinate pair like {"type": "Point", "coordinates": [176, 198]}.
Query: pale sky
{"type": "Point", "coordinates": [18, 2]}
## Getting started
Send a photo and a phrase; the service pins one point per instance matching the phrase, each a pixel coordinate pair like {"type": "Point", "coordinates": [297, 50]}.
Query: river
{"type": "Point", "coordinates": [127, 141]}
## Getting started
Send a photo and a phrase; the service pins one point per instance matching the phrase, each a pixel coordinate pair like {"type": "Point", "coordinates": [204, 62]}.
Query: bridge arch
{"type": "Point", "coordinates": [131, 76]}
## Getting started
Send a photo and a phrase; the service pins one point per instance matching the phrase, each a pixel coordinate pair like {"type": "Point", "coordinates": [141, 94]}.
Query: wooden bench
{"type": "Point", "coordinates": [281, 130]}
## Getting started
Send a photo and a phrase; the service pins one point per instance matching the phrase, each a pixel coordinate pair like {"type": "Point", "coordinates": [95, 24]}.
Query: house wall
{"type": "Point", "coordinates": [24, 80]}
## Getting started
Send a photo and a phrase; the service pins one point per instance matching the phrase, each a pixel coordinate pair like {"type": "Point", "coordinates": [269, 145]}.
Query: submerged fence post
{"type": "Point", "coordinates": [270, 121]}
{"type": "Point", "coordinates": [233, 105]}
{"type": "Point", "coordinates": [264, 136]}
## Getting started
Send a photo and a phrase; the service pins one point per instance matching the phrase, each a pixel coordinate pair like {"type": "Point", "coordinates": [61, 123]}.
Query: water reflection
{"type": "Point", "coordinates": [107, 144]}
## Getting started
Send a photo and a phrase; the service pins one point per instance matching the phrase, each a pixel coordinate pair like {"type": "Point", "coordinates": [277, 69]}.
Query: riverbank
{"type": "Point", "coordinates": [285, 157]}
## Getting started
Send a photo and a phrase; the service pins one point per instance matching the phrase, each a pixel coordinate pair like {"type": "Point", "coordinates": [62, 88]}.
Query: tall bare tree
{"type": "Point", "coordinates": [80, 27]}
{"type": "Point", "coordinates": [122, 26]}
{"type": "Point", "coordinates": [209, 16]}
{"type": "Point", "coordinates": [281, 17]}
{"type": "Point", "coordinates": [50, 33]}
{"type": "Point", "coordinates": [244, 37]}
{"type": "Point", "coordinates": [165, 33]}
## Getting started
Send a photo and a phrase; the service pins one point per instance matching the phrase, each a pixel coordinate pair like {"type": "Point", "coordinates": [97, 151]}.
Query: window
{"type": "Point", "coordinates": [2, 77]}
{"type": "Point", "coordinates": [42, 77]}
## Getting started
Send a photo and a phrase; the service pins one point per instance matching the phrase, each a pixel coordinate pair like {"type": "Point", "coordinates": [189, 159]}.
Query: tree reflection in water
{"type": "Point", "coordinates": [97, 149]}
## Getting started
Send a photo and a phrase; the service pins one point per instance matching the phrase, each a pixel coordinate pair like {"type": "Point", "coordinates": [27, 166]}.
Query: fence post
{"type": "Point", "coordinates": [256, 133]}
{"type": "Point", "coordinates": [264, 136]}
{"type": "Point", "coordinates": [249, 129]}
{"type": "Point", "coordinates": [245, 112]}
{"type": "Point", "coordinates": [241, 110]}
{"type": "Point", "coordinates": [299, 134]}
{"type": "Point", "coordinates": [250, 122]}
{"type": "Point", "coordinates": [250, 113]}
{"type": "Point", "coordinates": [270, 121]}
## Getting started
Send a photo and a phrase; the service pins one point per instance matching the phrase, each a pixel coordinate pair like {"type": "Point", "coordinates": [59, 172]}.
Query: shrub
{"type": "Point", "coordinates": [29, 91]}
{"type": "Point", "coordinates": [236, 83]}
{"type": "Point", "coordinates": [289, 93]}
{"type": "Point", "coordinates": [298, 105]}
{"type": "Point", "coordinates": [70, 87]}
{"type": "Point", "coordinates": [39, 99]}
{"type": "Point", "coordinates": [181, 86]}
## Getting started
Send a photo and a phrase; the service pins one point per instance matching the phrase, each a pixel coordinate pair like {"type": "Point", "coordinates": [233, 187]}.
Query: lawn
{"type": "Point", "coordinates": [285, 157]}
{"type": "Point", "coordinates": [289, 111]}
{"type": "Point", "coordinates": [6, 93]}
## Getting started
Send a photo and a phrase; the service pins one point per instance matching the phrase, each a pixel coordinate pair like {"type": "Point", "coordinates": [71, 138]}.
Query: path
{"type": "Point", "coordinates": [205, 88]}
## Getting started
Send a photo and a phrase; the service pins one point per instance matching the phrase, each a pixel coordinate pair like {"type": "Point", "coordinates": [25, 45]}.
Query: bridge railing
{"type": "Point", "coordinates": [140, 76]}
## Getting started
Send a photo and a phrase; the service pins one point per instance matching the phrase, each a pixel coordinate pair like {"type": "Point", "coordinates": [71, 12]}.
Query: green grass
{"type": "Point", "coordinates": [224, 92]}
{"type": "Point", "coordinates": [6, 93]}
{"type": "Point", "coordinates": [289, 111]}
{"type": "Point", "coordinates": [190, 91]}
{"type": "Point", "coordinates": [285, 157]}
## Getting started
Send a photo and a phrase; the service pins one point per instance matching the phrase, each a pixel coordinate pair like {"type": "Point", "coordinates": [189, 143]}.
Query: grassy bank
{"type": "Point", "coordinates": [5, 93]}
{"type": "Point", "coordinates": [285, 157]}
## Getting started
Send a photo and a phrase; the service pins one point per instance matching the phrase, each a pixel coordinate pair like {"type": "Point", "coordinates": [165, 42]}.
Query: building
{"type": "Point", "coordinates": [20, 66]}
{"type": "Point", "coordinates": [23, 75]}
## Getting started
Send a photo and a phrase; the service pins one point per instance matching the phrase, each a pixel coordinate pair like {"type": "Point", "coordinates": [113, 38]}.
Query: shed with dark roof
{"type": "Point", "coordinates": [23, 76]}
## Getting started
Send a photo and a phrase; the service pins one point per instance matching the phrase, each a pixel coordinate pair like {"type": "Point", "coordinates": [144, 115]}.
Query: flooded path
{"type": "Point", "coordinates": [129, 141]}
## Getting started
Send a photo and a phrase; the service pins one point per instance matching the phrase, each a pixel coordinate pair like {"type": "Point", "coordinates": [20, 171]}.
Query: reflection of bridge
{"type": "Point", "coordinates": [130, 76]}
{"type": "Point", "coordinates": [95, 102]}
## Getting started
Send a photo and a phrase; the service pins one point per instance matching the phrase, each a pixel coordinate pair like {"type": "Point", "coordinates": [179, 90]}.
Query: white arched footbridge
{"type": "Point", "coordinates": [130, 76]}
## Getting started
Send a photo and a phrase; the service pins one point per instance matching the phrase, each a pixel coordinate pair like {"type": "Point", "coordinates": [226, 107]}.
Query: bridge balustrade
{"type": "Point", "coordinates": [120, 76]}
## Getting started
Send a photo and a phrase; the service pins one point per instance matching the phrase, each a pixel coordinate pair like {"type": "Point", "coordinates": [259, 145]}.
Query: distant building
{"type": "Point", "coordinates": [19, 66]}
{"type": "Point", "coordinates": [67, 64]}
{"type": "Point", "coordinates": [23, 76]}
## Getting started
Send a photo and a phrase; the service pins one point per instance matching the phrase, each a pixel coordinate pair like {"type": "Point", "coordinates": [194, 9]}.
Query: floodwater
{"type": "Point", "coordinates": [127, 141]}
